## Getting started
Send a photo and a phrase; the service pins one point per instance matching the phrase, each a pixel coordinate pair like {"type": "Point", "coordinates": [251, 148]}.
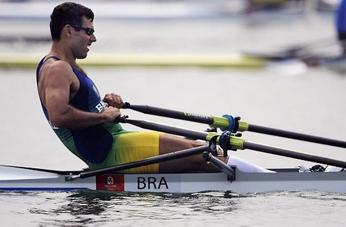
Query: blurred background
{"type": "Point", "coordinates": [225, 26]}
{"type": "Point", "coordinates": [275, 63]}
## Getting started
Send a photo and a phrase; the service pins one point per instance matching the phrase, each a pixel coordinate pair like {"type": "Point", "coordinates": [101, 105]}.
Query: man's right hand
{"type": "Point", "coordinates": [111, 113]}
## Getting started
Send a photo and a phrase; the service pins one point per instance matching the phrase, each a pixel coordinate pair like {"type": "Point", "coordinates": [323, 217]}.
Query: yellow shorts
{"type": "Point", "coordinates": [133, 146]}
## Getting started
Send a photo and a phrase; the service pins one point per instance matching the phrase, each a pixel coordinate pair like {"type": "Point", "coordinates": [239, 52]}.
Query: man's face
{"type": "Point", "coordinates": [83, 37]}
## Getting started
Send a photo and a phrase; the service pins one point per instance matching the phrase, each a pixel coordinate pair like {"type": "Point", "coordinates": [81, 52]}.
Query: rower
{"type": "Point", "coordinates": [340, 24]}
{"type": "Point", "coordinates": [85, 123]}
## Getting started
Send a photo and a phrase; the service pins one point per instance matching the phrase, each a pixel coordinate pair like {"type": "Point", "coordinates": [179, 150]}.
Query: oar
{"type": "Point", "coordinates": [144, 162]}
{"type": "Point", "coordinates": [233, 124]}
{"type": "Point", "coordinates": [233, 142]}
{"type": "Point", "coordinates": [217, 122]}
{"type": "Point", "coordinates": [299, 51]}
{"type": "Point", "coordinates": [294, 50]}
{"type": "Point", "coordinates": [205, 150]}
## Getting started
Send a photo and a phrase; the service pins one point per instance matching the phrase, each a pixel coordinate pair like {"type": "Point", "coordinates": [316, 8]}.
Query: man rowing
{"type": "Point", "coordinates": [83, 121]}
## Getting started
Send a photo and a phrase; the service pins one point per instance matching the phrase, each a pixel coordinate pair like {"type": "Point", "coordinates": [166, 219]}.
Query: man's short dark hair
{"type": "Point", "coordinates": [68, 13]}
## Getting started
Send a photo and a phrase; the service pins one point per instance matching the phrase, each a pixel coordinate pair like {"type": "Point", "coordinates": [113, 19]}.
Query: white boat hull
{"type": "Point", "coordinates": [22, 179]}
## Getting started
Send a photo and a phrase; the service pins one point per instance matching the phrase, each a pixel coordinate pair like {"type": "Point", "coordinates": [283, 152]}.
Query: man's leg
{"type": "Point", "coordinates": [136, 146]}
{"type": "Point", "coordinates": [195, 163]}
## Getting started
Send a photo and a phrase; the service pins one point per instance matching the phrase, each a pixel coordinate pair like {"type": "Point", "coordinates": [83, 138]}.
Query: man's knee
{"type": "Point", "coordinates": [174, 143]}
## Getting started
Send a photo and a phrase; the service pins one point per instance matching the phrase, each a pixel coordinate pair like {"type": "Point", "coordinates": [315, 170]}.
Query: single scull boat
{"type": "Point", "coordinates": [25, 179]}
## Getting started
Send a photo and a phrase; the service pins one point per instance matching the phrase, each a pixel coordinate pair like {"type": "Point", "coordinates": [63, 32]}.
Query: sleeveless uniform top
{"type": "Point", "coordinates": [341, 20]}
{"type": "Point", "coordinates": [91, 144]}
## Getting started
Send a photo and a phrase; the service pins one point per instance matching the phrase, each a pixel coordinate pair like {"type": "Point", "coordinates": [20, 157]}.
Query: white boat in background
{"type": "Point", "coordinates": [149, 10]}
{"type": "Point", "coordinates": [128, 10]}
{"type": "Point", "coordinates": [16, 178]}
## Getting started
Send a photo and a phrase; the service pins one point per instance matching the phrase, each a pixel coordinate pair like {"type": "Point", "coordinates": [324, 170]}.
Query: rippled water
{"type": "Point", "coordinates": [90, 208]}
{"type": "Point", "coordinates": [309, 100]}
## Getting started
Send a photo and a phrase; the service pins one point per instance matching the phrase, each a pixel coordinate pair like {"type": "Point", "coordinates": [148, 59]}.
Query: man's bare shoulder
{"type": "Point", "coordinates": [57, 68]}
{"type": "Point", "coordinates": [57, 73]}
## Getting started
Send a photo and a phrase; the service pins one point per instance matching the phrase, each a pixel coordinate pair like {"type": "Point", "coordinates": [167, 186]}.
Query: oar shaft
{"type": "Point", "coordinates": [296, 135]}
{"type": "Point", "coordinates": [168, 129]}
{"type": "Point", "coordinates": [293, 154]}
{"type": "Point", "coordinates": [147, 161]}
{"type": "Point", "coordinates": [170, 113]}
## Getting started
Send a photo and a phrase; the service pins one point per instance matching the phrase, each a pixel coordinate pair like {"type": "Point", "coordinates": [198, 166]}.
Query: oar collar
{"type": "Point", "coordinates": [233, 123]}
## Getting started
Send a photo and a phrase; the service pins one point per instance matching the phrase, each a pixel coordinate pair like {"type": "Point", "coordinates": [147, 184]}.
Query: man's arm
{"type": "Point", "coordinates": [57, 85]}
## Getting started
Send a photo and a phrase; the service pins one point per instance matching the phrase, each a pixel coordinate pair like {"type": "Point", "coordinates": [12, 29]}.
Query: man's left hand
{"type": "Point", "coordinates": [113, 100]}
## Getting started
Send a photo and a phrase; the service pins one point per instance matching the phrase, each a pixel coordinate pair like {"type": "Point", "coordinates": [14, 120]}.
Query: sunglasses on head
{"type": "Point", "coordinates": [88, 31]}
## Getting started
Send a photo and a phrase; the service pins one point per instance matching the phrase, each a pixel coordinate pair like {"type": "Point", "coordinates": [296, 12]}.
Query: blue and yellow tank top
{"type": "Point", "coordinates": [91, 144]}
{"type": "Point", "coordinates": [340, 20]}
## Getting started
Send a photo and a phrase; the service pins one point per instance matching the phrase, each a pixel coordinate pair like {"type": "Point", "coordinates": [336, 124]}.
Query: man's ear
{"type": "Point", "coordinates": [67, 31]}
